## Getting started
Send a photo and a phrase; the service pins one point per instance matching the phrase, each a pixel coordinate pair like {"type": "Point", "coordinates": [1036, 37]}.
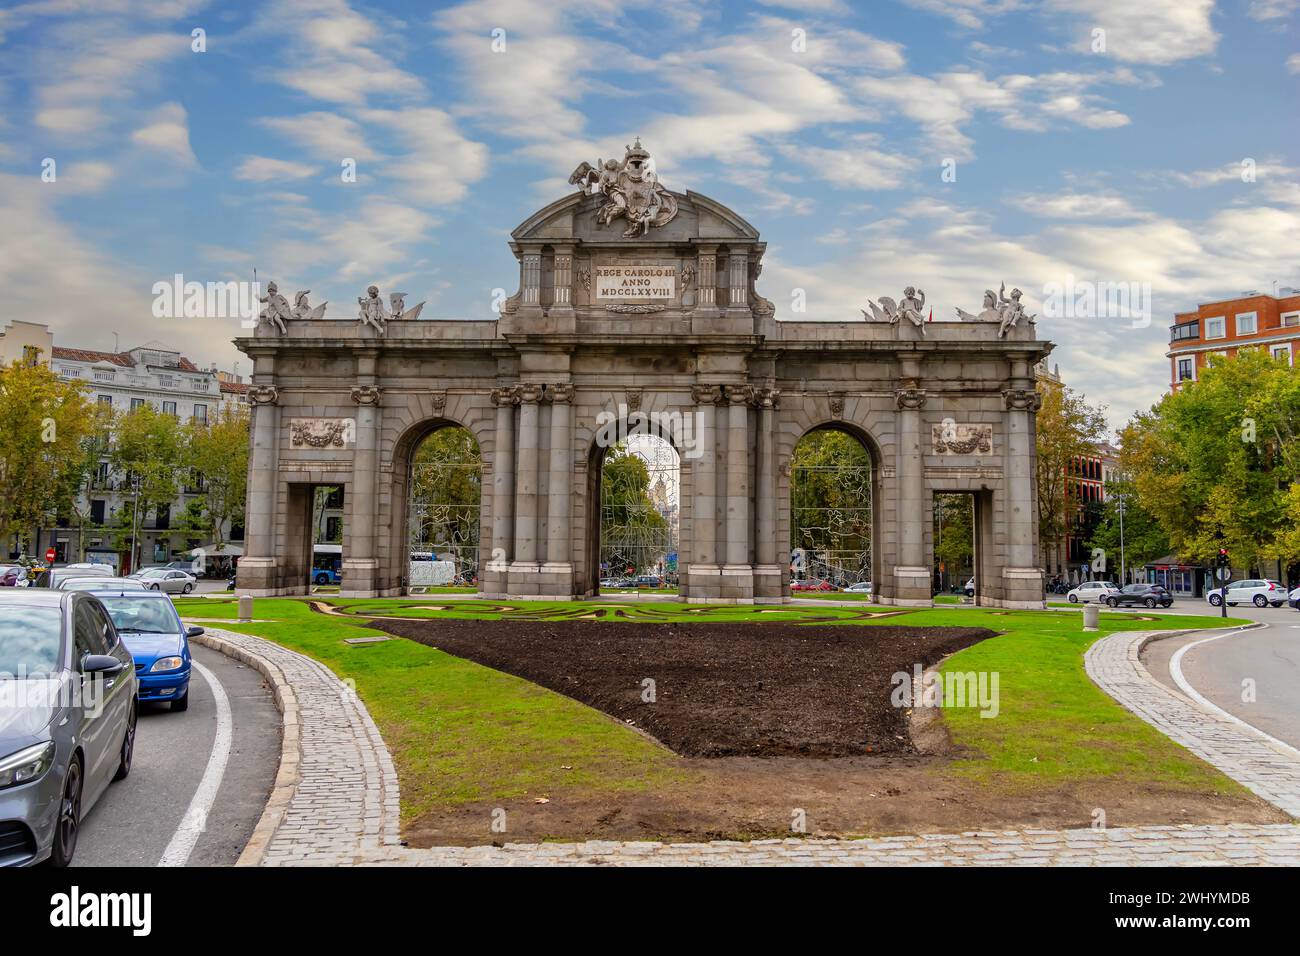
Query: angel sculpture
{"type": "Point", "coordinates": [1012, 311]}
{"type": "Point", "coordinates": [373, 312]}
{"type": "Point", "coordinates": [398, 300]}
{"type": "Point", "coordinates": [910, 307]}
{"type": "Point", "coordinates": [277, 308]}
{"type": "Point", "coordinates": [303, 310]}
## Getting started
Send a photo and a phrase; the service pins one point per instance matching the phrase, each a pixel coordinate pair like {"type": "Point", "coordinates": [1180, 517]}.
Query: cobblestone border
{"type": "Point", "coordinates": [335, 797]}
{"type": "Point", "coordinates": [1248, 756]}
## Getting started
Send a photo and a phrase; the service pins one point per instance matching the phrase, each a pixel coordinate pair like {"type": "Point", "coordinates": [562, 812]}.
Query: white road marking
{"type": "Point", "coordinates": [1176, 671]}
{"type": "Point", "coordinates": [195, 820]}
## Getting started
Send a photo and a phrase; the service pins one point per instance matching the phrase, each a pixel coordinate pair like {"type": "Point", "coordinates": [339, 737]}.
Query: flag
{"type": "Point", "coordinates": [931, 318]}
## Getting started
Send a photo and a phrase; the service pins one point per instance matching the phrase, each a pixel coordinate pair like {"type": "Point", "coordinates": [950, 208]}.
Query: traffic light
{"type": "Point", "coordinates": [1223, 557]}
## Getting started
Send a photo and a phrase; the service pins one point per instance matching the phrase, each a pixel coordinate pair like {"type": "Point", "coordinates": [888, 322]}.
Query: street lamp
{"type": "Point", "coordinates": [1123, 579]}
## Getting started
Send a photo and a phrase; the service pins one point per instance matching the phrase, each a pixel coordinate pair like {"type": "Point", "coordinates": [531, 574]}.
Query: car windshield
{"type": "Point", "coordinates": [141, 615]}
{"type": "Point", "coordinates": [30, 641]}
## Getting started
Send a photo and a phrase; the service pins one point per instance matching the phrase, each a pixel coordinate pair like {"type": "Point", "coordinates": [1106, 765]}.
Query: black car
{"type": "Point", "coordinates": [1148, 595]}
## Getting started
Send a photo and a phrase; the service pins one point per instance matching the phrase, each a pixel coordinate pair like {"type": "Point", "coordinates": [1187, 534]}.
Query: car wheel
{"type": "Point", "coordinates": [1112, 602]}
{"type": "Point", "coordinates": [1215, 600]}
{"type": "Point", "coordinates": [181, 703]}
{"type": "Point", "coordinates": [155, 587]}
{"type": "Point", "coordinates": [69, 822]}
{"type": "Point", "coordinates": [128, 746]}
{"type": "Point", "coordinates": [1166, 603]}
{"type": "Point", "coordinates": [1150, 602]}
{"type": "Point", "coordinates": [187, 589]}
{"type": "Point", "coordinates": [1260, 600]}
{"type": "Point", "coordinates": [1074, 599]}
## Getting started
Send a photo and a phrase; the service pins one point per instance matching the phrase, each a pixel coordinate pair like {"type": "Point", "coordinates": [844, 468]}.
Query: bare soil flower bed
{"type": "Point", "coordinates": [719, 689]}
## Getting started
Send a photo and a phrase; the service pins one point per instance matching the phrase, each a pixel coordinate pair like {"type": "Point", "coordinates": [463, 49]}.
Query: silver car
{"type": "Point", "coordinates": [168, 580]}
{"type": "Point", "coordinates": [67, 719]}
{"type": "Point", "coordinates": [100, 584]}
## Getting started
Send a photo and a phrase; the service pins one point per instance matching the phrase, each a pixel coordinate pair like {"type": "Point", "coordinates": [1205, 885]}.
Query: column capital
{"type": "Point", "coordinates": [910, 397]}
{"type": "Point", "coordinates": [738, 394]}
{"type": "Point", "coordinates": [263, 395]}
{"type": "Point", "coordinates": [560, 393]}
{"type": "Point", "coordinates": [366, 394]}
{"type": "Point", "coordinates": [706, 394]}
{"type": "Point", "coordinates": [530, 393]}
{"type": "Point", "coordinates": [1022, 399]}
{"type": "Point", "coordinates": [765, 397]}
{"type": "Point", "coordinates": [505, 395]}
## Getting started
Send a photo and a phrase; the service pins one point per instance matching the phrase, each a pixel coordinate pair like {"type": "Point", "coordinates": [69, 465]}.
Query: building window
{"type": "Point", "coordinates": [164, 517]}
{"type": "Point", "coordinates": [137, 403]}
{"type": "Point", "coordinates": [105, 401]}
{"type": "Point", "coordinates": [201, 414]}
{"type": "Point", "coordinates": [1290, 319]}
{"type": "Point", "coordinates": [169, 408]}
{"type": "Point", "coordinates": [1186, 369]}
{"type": "Point", "coordinates": [1186, 330]}
{"type": "Point", "coordinates": [97, 511]}
{"type": "Point", "coordinates": [1247, 323]}
{"type": "Point", "coordinates": [1282, 352]}
{"type": "Point", "coordinates": [1216, 328]}
{"type": "Point", "coordinates": [31, 355]}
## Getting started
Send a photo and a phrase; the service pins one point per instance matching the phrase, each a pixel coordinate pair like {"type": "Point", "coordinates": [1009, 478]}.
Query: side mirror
{"type": "Point", "coordinates": [193, 631]}
{"type": "Point", "coordinates": [100, 664]}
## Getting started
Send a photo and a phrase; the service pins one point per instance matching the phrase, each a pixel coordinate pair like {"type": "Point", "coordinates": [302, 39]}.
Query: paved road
{"type": "Point", "coordinates": [137, 820]}
{"type": "Point", "coordinates": [1268, 656]}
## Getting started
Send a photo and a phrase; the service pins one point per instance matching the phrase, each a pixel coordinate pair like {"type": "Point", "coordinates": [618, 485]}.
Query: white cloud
{"type": "Point", "coordinates": [1293, 63]}
{"type": "Point", "coordinates": [866, 162]}
{"type": "Point", "coordinates": [1072, 205]}
{"type": "Point", "coordinates": [1272, 9]}
{"type": "Point", "coordinates": [440, 162]}
{"type": "Point", "coordinates": [262, 169]}
{"type": "Point", "coordinates": [168, 133]}
{"type": "Point", "coordinates": [328, 137]}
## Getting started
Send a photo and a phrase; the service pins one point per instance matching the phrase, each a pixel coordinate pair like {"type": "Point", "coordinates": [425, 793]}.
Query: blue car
{"type": "Point", "coordinates": [158, 641]}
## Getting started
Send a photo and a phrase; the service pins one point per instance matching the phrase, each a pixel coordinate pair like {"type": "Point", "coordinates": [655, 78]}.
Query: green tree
{"type": "Point", "coordinates": [1216, 461]}
{"type": "Point", "coordinates": [1068, 429]}
{"type": "Point", "coordinates": [218, 454]}
{"type": "Point", "coordinates": [954, 545]}
{"type": "Point", "coordinates": [149, 456]}
{"type": "Point", "coordinates": [632, 531]}
{"type": "Point", "coordinates": [830, 500]}
{"type": "Point", "coordinates": [1144, 539]}
{"type": "Point", "coordinates": [48, 445]}
{"type": "Point", "coordinates": [447, 487]}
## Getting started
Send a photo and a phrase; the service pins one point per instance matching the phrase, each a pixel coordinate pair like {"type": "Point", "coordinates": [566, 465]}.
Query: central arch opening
{"type": "Point", "coordinates": [831, 479]}
{"type": "Point", "coordinates": [638, 487]}
{"type": "Point", "coordinates": [444, 511]}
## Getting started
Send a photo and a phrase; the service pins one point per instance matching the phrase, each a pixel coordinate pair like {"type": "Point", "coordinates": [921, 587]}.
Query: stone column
{"type": "Point", "coordinates": [704, 573]}
{"type": "Point", "coordinates": [707, 280]}
{"type": "Point", "coordinates": [738, 279]}
{"type": "Point", "coordinates": [556, 578]}
{"type": "Point", "coordinates": [360, 561]}
{"type": "Point", "coordinates": [531, 279]}
{"type": "Point", "coordinates": [503, 493]}
{"type": "Point", "coordinates": [258, 568]}
{"type": "Point", "coordinates": [767, 573]}
{"type": "Point", "coordinates": [524, 567]}
{"type": "Point", "coordinates": [911, 573]}
{"type": "Point", "coordinates": [1022, 578]}
{"type": "Point", "coordinates": [563, 279]}
{"type": "Point", "coordinates": [738, 573]}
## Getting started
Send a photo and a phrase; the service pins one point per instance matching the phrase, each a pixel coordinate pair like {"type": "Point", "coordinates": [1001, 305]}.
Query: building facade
{"type": "Point", "coordinates": [152, 374]}
{"type": "Point", "coordinates": [1221, 328]}
{"type": "Point", "coordinates": [660, 326]}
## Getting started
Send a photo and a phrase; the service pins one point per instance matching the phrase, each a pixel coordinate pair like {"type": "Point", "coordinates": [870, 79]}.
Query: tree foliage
{"type": "Point", "coordinates": [1068, 429]}
{"type": "Point", "coordinates": [217, 452]}
{"type": "Point", "coordinates": [447, 484]}
{"type": "Point", "coordinates": [49, 436]}
{"type": "Point", "coordinates": [1216, 463]}
{"type": "Point", "coordinates": [830, 500]}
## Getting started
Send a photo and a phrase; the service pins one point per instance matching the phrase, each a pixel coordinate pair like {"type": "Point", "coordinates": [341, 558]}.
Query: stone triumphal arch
{"type": "Point", "coordinates": [637, 309]}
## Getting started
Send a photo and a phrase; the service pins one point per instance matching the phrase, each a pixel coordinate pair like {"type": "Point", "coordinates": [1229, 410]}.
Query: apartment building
{"type": "Point", "coordinates": [122, 381]}
{"type": "Point", "coordinates": [1221, 328]}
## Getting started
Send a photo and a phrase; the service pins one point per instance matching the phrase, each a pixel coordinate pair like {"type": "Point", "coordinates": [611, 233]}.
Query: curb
{"type": "Point", "coordinates": [287, 776]}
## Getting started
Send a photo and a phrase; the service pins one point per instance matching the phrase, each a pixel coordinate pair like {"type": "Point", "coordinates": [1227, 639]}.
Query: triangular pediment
{"type": "Point", "coordinates": [575, 218]}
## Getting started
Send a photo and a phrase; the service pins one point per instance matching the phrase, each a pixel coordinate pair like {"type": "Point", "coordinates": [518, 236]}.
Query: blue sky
{"type": "Point", "coordinates": [827, 124]}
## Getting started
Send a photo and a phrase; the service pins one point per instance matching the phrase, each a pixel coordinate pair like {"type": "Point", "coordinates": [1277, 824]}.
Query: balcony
{"type": "Point", "coordinates": [1184, 331]}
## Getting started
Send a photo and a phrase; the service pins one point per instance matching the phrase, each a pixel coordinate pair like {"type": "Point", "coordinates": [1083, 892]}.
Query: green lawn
{"type": "Point", "coordinates": [462, 733]}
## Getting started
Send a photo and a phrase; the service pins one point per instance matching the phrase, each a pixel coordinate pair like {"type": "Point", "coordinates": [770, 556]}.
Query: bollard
{"type": "Point", "coordinates": [245, 608]}
{"type": "Point", "coordinates": [1090, 614]}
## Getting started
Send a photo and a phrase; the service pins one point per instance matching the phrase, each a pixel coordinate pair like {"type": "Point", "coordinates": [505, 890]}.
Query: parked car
{"type": "Point", "coordinates": [1293, 599]}
{"type": "Point", "coordinates": [50, 578]}
{"type": "Point", "coordinates": [73, 731]}
{"type": "Point", "coordinates": [812, 584]}
{"type": "Point", "coordinates": [970, 588]}
{"type": "Point", "coordinates": [1091, 591]}
{"type": "Point", "coordinates": [648, 581]}
{"type": "Point", "coordinates": [611, 582]}
{"type": "Point", "coordinates": [1148, 595]}
{"type": "Point", "coordinates": [12, 576]}
{"type": "Point", "coordinates": [859, 587]}
{"type": "Point", "coordinates": [158, 641]}
{"type": "Point", "coordinates": [167, 580]}
{"type": "Point", "coordinates": [94, 567]}
{"type": "Point", "coordinates": [99, 583]}
{"type": "Point", "coordinates": [1256, 591]}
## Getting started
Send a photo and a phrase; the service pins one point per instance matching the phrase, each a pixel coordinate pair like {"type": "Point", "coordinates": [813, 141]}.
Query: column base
{"type": "Point", "coordinates": [522, 579]}
{"type": "Point", "coordinates": [555, 580]}
{"type": "Point", "coordinates": [768, 583]}
{"type": "Point", "coordinates": [911, 588]}
{"type": "Point", "coordinates": [738, 583]}
{"type": "Point", "coordinates": [359, 578]}
{"type": "Point", "coordinates": [1022, 588]}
